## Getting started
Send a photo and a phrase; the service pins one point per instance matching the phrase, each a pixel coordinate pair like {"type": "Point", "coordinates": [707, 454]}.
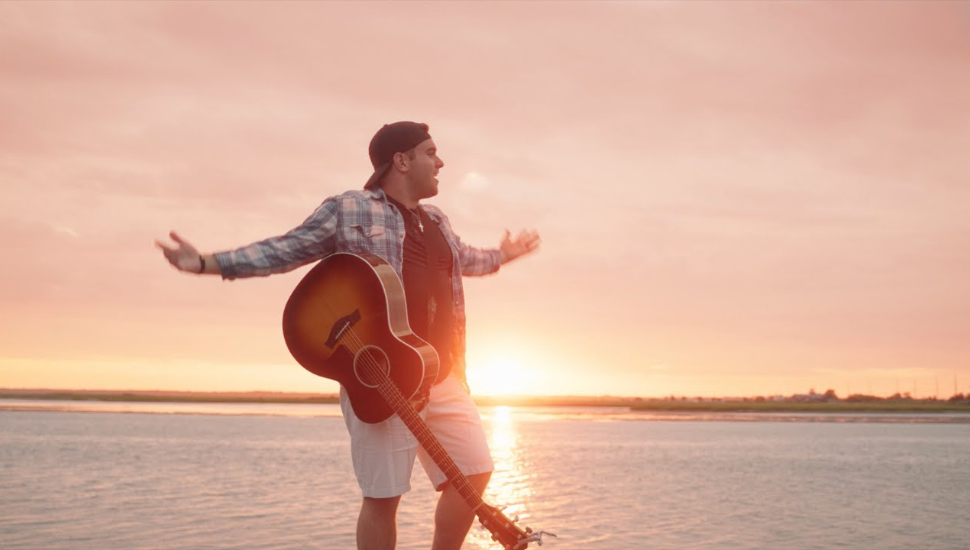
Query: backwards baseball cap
{"type": "Point", "coordinates": [391, 139]}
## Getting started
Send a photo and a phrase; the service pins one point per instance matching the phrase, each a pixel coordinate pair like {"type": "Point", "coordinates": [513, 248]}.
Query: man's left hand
{"type": "Point", "coordinates": [525, 243]}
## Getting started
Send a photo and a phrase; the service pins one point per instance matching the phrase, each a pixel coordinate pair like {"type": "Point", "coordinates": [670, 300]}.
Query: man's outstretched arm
{"type": "Point", "coordinates": [314, 239]}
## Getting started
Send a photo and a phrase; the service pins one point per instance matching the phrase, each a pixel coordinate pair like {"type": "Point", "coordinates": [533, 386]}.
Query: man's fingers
{"type": "Point", "coordinates": [170, 254]}
{"type": "Point", "coordinates": [527, 237]}
{"type": "Point", "coordinates": [532, 240]}
{"type": "Point", "coordinates": [526, 241]}
{"type": "Point", "coordinates": [184, 246]}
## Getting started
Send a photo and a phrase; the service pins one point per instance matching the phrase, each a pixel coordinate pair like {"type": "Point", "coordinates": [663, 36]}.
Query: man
{"type": "Point", "coordinates": [387, 219]}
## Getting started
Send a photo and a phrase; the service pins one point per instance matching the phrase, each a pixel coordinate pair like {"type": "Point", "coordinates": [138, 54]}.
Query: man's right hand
{"type": "Point", "coordinates": [184, 257]}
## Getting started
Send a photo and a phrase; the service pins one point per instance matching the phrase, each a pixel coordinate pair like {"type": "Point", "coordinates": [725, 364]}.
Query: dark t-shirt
{"type": "Point", "coordinates": [427, 282]}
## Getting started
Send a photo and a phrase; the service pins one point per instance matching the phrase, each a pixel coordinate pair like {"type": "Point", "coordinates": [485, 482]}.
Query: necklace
{"type": "Point", "coordinates": [416, 216]}
{"type": "Point", "coordinates": [416, 213]}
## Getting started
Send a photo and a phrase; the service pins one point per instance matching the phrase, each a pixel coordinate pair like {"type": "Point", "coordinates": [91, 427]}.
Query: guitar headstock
{"type": "Point", "coordinates": [505, 531]}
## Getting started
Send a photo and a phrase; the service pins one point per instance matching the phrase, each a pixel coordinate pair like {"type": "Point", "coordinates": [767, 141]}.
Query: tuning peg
{"type": "Point", "coordinates": [545, 533]}
{"type": "Point", "coordinates": [515, 519]}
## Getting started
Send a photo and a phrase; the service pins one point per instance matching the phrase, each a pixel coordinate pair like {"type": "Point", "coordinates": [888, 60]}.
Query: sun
{"type": "Point", "coordinates": [500, 375]}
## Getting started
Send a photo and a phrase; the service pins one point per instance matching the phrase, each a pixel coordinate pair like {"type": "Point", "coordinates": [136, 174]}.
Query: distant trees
{"type": "Point", "coordinates": [905, 396]}
{"type": "Point", "coordinates": [862, 398]}
{"type": "Point", "coordinates": [812, 396]}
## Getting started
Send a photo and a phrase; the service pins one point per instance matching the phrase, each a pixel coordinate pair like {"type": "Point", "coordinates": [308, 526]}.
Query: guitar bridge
{"type": "Point", "coordinates": [340, 327]}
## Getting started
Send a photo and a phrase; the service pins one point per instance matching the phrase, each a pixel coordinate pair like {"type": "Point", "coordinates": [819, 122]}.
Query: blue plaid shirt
{"type": "Point", "coordinates": [359, 221]}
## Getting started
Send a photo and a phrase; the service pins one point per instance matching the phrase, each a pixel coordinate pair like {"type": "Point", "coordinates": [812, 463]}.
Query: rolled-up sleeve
{"type": "Point", "coordinates": [312, 240]}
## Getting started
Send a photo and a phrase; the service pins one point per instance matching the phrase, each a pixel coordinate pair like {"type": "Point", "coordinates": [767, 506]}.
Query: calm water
{"type": "Point", "coordinates": [279, 477]}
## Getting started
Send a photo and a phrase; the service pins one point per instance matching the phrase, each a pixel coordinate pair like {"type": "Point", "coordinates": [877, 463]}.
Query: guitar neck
{"type": "Point", "coordinates": [429, 442]}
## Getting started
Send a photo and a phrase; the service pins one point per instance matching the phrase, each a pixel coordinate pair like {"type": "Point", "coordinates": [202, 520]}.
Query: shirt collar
{"type": "Point", "coordinates": [375, 193]}
{"type": "Point", "coordinates": [378, 194]}
{"type": "Point", "coordinates": [397, 203]}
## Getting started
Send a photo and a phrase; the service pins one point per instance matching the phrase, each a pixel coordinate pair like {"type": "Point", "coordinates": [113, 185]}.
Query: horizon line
{"type": "Point", "coordinates": [305, 394]}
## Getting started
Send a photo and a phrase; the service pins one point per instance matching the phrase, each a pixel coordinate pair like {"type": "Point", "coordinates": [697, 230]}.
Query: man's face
{"type": "Point", "coordinates": [423, 170]}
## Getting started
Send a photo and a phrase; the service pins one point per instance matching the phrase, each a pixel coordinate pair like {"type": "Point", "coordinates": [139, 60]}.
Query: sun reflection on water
{"type": "Point", "coordinates": [510, 483]}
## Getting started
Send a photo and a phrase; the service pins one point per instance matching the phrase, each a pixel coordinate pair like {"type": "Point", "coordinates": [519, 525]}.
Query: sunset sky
{"type": "Point", "coordinates": [734, 198]}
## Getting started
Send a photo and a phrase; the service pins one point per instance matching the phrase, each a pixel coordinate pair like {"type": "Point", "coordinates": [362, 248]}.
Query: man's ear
{"type": "Point", "coordinates": [401, 161]}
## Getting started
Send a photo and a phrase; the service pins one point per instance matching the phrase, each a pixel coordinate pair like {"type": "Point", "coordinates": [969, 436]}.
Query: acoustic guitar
{"type": "Point", "coordinates": [347, 321]}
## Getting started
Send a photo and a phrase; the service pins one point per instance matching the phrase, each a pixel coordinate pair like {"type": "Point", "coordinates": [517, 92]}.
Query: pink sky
{"type": "Point", "coordinates": [734, 198]}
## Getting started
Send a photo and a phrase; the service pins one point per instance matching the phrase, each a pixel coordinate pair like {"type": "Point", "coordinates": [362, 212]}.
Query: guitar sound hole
{"type": "Point", "coordinates": [371, 366]}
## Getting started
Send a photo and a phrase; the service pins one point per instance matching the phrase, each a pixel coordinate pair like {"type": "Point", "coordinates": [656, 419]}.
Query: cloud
{"type": "Point", "coordinates": [63, 230]}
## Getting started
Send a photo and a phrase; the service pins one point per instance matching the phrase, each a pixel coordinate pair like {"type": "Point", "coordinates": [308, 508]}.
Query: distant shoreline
{"type": "Point", "coordinates": [634, 404]}
{"type": "Point", "coordinates": [161, 396]}
{"type": "Point", "coordinates": [150, 396]}
{"type": "Point", "coordinates": [882, 406]}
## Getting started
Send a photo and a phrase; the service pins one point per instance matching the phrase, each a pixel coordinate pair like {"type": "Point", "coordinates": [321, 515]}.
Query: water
{"type": "Point", "coordinates": [198, 476]}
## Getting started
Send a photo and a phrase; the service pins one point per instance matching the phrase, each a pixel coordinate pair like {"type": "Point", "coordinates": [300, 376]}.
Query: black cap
{"type": "Point", "coordinates": [391, 139]}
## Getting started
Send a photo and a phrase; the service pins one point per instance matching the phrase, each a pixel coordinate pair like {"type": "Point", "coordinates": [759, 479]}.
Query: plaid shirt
{"type": "Point", "coordinates": [359, 221]}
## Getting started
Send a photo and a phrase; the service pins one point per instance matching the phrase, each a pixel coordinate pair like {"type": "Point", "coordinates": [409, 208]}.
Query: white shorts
{"type": "Point", "coordinates": [383, 453]}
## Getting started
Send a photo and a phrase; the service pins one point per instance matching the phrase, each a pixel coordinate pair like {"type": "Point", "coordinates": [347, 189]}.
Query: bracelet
{"type": "Point", "coordinates": [201, 264]}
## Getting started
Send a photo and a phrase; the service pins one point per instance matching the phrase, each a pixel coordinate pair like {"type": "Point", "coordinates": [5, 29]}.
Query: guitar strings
{"type": "Point", "coordinates": [386, 383]}
{"type": "Point", "coordinates": [390, 392]}
{"type": "Point", "coordinates": [393, 395]}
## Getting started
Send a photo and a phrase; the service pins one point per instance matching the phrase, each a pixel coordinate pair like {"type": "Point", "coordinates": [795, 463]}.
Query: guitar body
{"type": "Point", "coordinates": [347, 321]}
